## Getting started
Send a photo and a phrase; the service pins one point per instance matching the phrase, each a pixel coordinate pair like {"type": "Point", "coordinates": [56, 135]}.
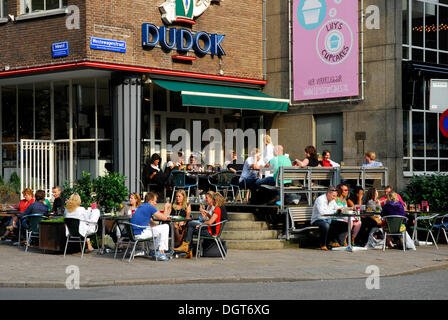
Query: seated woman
{"type": "Point", "coordinates": [219, 214]}
{"type": "Point", "coordinates": [372, 203]}
{"type": "Point", "coordinates": [152, 174]}
{"type": "Point", "coordinates": [393, 207]}
{"type": "Point", "coordinates": [87, 220]}
{"type": "Point", "coordinates": [179, 208]}
{"type": "Point", "coordinates": [342, 201]}
{"type": "Point", "coordinates": [23, 205]}
{"type": "Point", "coordinates": [311, 159]}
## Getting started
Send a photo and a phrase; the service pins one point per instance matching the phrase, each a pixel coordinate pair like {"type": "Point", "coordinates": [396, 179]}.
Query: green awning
{"type": "Point", "coordinates": [207, 95]}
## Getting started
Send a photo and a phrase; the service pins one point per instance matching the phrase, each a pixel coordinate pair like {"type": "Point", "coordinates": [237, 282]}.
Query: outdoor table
{"type": "Point", "coordinates": [349, 247]}
{"type": "Point", "coordinates": [104, 217]}
{"type": "Point", "coordinates": [196, 175]}
{"type": "Point", "coordinates": [9, 213]}
{"type": "Point", "coordinates": [414, 232]}
{"type": "Point", "coordinates": [171, 220]}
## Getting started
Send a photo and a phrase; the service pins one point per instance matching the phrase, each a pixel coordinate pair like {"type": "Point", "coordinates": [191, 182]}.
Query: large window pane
{"type": "Point", "coordinates": [430, 26]}
{"type": "Point", "coordinates": [419, 165]}
{"type": "Point", "coordinates": [405, 16]}
{"type": "Point", "coordinates": [52, 4]}
{"type": "Point", "coordinates": [9, 157]}
{"type": "Point", "coordinates": [430, 56]}
{"type": "Point", "coordinates": [417, 54]}
{"type": "Point", "coordinates": [43, 111]}
{"type": "Point", "coordinates": [84, 158]}
{"type": "Point", "coordinates": [105, 157]}
{"type": "Point", "coordinates": [417, 134]}
{"type": "Point", "coordinates": [406, 140]}
{"type": "Point", "coordinates": [432, 165]}
{"type": "Point", "coordinates": [417, 23]}
{"type": "Point", "coordinates": [104, 110]}
{"type": "Point", "coordinates": [443, 28]}
{"type": "Point", "coordinates": [432, 130]}
{"type": "Point", "coordinates": [443, 57]}
{"type": "Point", "coordinates": [9, 112]}
{"type": "Point", "coordinates": [84, 109]}
{"type": "Point", "coordinates": [37, 5]}
{"type": "Point", "coordinates": [443, 165]}
{"type": "Point", "coordinates": [61, 110]}
{"type": "Point", "coordinates": [26, 110]}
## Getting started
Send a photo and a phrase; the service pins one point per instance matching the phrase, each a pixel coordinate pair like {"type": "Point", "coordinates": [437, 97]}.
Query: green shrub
{"type": "Point", "coordinates": [83, 187]}
{"type": "Point", "coordinates": [14, 183]}
{"type": "Point", "coordinates": [110, 190]}
{"type": "Point", "coordinates": [432, 188]}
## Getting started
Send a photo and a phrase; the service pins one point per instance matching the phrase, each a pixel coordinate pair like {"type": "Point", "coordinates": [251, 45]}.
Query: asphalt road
{"type": "Point", "coordinates": [430, 285]}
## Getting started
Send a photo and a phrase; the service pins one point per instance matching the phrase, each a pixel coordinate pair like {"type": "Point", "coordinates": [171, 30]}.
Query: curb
{"type": "Point", "coordinates": [124, 283]}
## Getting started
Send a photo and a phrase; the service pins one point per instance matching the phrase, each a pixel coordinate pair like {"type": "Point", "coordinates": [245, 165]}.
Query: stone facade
{"type": "Point", "coordinates": [379, 114]}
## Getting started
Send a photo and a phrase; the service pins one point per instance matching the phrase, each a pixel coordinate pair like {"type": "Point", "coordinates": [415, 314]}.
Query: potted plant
{"type": "Point", "coordinates": [110, 191]}
{"type": "Point", "coordinates": [83, 187]}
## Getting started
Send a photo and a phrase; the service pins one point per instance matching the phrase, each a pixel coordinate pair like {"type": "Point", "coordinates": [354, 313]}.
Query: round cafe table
{"type": "Point", "coordinates": [349, 247]}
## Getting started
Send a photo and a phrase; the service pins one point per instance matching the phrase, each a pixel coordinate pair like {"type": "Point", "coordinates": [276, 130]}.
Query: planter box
{"type": "Point", "coordinates": [52, 236]}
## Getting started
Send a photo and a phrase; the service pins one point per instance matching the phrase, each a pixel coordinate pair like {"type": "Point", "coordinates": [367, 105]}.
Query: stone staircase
{"type": "Point", "coordinates": [243, 232]}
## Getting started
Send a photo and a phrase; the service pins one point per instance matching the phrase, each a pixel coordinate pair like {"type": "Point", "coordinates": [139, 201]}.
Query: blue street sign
{"type": "Point", "coordinates": [107, 44]}
{"type": "Point", "coordinates": [60, 49]}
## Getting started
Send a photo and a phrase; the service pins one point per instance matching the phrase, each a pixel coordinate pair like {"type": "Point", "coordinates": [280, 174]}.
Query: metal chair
{"type": "Point", "coordinates": [33, 228]}
{"type": "Point", "coordinates": [442, 225]}
{"type": "Point", "coordinates": [393, 224]}
{"type": "Point", "coordinates": [223, 181]}
{"type": "Point", "coordinates": [428, 228]}
{"type": "Point", "coordinates": [124, 236]}
{"type": "Point", "coordinates": [134, 241]}
{"type": "Point", "coordinates": [217, 238]}
{"type": "Point", "coordinates": [74, 235]}
{"type": "Point", "coordinates": [179, 183]}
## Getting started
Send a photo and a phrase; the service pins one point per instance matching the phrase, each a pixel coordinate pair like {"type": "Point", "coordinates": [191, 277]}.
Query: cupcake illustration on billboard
{"type": "Point", "coordinates": [311, 13]}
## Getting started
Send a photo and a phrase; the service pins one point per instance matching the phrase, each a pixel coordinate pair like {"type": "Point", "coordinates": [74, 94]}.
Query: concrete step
{"type": "Point", "coordinates": [240, 216]}
{"type": "Point", "coordinates": [246, 225]}
{"type": "Point", "coordinates": [272, 244]}
{"type": "Point", "coordinates": [243, 235]}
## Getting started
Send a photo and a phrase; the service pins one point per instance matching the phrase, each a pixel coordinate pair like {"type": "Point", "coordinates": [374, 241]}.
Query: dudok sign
{"type": "Point", "coordinates": [182, 40]}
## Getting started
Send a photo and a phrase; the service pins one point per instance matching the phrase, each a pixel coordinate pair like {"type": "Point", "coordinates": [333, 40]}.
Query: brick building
{"type": "Point", "coordinates": [102, 83]}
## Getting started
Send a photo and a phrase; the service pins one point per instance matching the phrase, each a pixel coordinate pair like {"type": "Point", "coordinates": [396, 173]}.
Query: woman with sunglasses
{"type": "Point", "coordinates": [343, 201]}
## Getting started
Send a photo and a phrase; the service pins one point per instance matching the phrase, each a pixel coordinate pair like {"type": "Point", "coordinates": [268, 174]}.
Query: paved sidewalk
{"type": "Point", "coordinates": [36, 269]}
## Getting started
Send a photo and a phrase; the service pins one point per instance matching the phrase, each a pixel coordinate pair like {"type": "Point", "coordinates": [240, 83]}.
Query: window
{"type": "Point", "coordinates": [33, 6]}
{"type": "Point", "coordinates": [3, 9]}
{"type": "Point", "coordinates": [425, 38]}
{"type": "Point", "coordinates": [425, 30]}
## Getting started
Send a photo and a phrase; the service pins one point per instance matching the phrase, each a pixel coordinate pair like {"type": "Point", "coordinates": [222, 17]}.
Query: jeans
{"type": "Point", "coordinates": [324, 227]}
{"type": "Point", "coordinates": [269, 181]}
{"type": "Point", "coordinates": [191, 230]}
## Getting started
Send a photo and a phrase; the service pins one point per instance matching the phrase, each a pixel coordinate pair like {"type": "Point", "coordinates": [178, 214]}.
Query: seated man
{"type": "Point", "coordinates": [278, 161]}
{"type": "Point", "coordinates": [370, 160]}
{"type": "Point", "coordinates": [143, 217]}
{"type": "Point", "coordinates": [250, 172]}
{"type": "Point", "coordinates": [323, 206]}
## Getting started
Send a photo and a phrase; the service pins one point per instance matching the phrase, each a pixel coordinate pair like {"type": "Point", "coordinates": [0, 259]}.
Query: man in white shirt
{"type": "Point", "coordinates": [251, 169]}
{"type": "Point", "coordinates": [323, 206]}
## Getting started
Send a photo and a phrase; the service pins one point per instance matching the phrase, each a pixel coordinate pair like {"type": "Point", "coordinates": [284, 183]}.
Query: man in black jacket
{"type": "Point", "coordinates": [59, 201]}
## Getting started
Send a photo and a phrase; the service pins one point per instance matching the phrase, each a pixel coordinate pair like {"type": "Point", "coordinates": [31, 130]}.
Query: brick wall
{"type": "Point", "coordinates": [28, 43]}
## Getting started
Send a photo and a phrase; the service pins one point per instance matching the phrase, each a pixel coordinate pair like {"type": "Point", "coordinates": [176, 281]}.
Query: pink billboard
{"type": "Point", "coordinates": [325, 49]}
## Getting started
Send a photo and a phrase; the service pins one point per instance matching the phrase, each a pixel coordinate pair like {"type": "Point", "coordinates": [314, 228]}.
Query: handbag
{"type": "Point", "coordinates": [210, 248]}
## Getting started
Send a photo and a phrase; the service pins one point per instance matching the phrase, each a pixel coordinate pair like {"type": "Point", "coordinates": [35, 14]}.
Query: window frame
{"type": "Point", "coordinates": [23, 15]}
{"type": "Point", "coordinates": [414, 110]}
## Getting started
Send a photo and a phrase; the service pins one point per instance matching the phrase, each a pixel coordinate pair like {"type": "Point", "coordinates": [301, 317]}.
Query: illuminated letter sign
{"type": "Point", "coordinates": [182, 40]}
